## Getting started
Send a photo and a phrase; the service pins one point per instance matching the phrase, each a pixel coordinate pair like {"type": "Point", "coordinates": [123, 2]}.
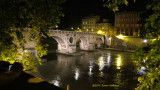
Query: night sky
{"type": "Point", "coordinates": [75, 10]}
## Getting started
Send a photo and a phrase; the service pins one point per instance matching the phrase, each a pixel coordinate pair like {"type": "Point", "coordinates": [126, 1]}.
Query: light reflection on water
{"type": "Point", "coordinates": [76, 74]}
{"type": "Point", "coordinates": [56, 81]}
{"type": "Point", "coordinates": [119, 60]}
{"type": "Point", "coordinates": [81, 72]}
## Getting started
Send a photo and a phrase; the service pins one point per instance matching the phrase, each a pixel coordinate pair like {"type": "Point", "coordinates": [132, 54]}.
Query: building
{"type": "Point", "coordinates": [88, 23]}
{"type": "Point", "coordinates": [97, 25]}
{"type": "Point", "coordinates": [126, 23]}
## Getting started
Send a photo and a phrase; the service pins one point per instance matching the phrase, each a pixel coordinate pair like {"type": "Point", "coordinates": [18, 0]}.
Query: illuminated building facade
{"type": "Point", "coordinates": [95, 24]}
{"type": "Point", "coordinates": [126, 23]}
{"type": "Point", "coordinates": [88, 23]}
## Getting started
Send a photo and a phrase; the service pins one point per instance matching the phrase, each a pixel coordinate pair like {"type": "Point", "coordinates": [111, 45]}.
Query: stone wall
{"type": "Point", "coordinates": [128, 42]}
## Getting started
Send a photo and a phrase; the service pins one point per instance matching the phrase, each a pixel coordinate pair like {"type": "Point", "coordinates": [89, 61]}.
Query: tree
{"type": "Point", "coordinates": [148, 56]}
{"type": "Point", "coordinates": [114, 4]}
{"type": "Point", "coordinates": [18, 16]}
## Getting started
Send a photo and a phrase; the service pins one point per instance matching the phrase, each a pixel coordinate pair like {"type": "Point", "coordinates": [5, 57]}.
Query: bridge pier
{"type": "Point", "coordinates": [91, 47]}
{"type": "Point", "coordinates": [70, 49]}
{"type": "Point", "coordinates": [83, 47]}
{"type": "Point", "coordinates": [99, 46]}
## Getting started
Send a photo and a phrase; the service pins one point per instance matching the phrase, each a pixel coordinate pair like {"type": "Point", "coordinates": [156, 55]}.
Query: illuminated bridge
{"type": "Point", "coordinates": [67, 40]}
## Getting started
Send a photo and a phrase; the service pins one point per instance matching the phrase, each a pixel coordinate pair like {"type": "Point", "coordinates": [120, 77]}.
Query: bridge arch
{"type": "Point", "coordinates": [99, 42]}
{"type": "Point", "coordinates": [61, 42]}
{"type": "Point", "coordinates": [83, 43]}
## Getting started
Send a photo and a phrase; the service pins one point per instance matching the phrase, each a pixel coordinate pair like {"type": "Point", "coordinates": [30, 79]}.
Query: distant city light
{"type": "Point", "coordinates": [92, 29]}
{"type": "Point", "coordinates": [87, 29]}
{"type": "Point", "coordinates": [121, 36]}
{"type": "Point", "coordinates": [145, 41]}
{"type": "Point", "coordinates": [99, 32]}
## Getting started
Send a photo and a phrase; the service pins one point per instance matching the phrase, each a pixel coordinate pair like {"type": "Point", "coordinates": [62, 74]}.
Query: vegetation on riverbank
{"type": "Point", "coordinates": [148, 56]}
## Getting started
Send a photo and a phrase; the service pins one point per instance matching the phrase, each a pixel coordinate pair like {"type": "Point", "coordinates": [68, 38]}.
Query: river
{"type": "Point", "coordinates": [98, 70]}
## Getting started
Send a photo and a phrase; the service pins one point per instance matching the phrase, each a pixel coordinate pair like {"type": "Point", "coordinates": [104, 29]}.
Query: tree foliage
{"type": "Point", "coordinates": [148, 56]}
{"type": "Point", "coordinates": [18, 16]}
{"type": "Point", "coordinates": [114, 4]}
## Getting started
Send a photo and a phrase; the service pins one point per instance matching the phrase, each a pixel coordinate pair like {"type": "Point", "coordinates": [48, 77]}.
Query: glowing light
{"type": "Point", "coordinates": [142, 70]}
{"type": "Point", "coordinates": [87, 29]}
{"type": "Point", "coordinates": [145, 41]}
{"type": "Point", "coordinates": [76, 73]}
{"type": "Point", "coordinates": [144, 60]}
{"type": "Point", "coordinates": [154, 39]}
{"type": "Point", "coordinates": [72, 28]}
{"type": "Point", "coordinates": [56, 81]}
{"type": "Point", "coordinates": [90, 70]}
{"type": "Point", "coordinates": [121, 36]}
{"type": "Point", "coordinates": [119, 62]}
{"type": "Point", "coordinates": [108, 60]}
{"type": "Point", "coordinates": [92, 29]}
{"type": "Point", "coordinates": [101, 63]}
{"type": "Point", "coordinates": [78, 28]}
{"type": "Point", "coordinates": [109, 38]}
{"type": "Point", "coordinates": [99, 32]}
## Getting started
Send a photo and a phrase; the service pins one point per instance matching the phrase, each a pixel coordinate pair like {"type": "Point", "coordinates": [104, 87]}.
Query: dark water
{"type": "Point", "coordinates": [99, 70]}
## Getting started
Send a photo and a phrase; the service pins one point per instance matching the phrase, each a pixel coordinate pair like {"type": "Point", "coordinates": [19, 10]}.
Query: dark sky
{"type": "Point", "coordinates": [75, 10]}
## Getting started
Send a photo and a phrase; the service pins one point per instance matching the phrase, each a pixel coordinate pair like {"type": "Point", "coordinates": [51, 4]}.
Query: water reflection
{"type": "Point", "coordinates": [56, 81]}
{"type": "Point", "coordinates": [80, 72]}
{"type": "Point", "coordinates": [90, 68]}
{"type": "Point", "coordinates": [119, 60]}
{"type": "Point", "coordinates": [101, 63]}
{"type": "Point", "coordinates": [108, 60]}
{"type": "Point", "coordinates": [76, 74]}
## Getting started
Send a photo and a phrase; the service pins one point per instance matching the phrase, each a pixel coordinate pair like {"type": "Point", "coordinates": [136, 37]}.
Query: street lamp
{"type": "Point", "coordinates": [56, 26]}
{"type": "Point", "coordinates": [87, 30]}
{"type": "Point", "coordinates": [92, 30]}
{"type": "Point", "coordinates": [145, 41]}
{"type": "Point", "coordinates": [72, 28]}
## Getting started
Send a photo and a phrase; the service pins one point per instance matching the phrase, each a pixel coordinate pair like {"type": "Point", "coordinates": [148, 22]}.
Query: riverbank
{"type": "Point", "coordinates": [24, 81]}
{"type": "Point", "coordinates": [132, 51]}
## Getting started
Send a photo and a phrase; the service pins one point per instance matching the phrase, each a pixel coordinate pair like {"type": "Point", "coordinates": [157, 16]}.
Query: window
{"type": "Point", "coordinates": [126, 32]}
{"type": "Point", "coordinates": [118, 31]}
{"type": "Point", "coordinates": [85, 22]}
{"type": "Point", "coordinates": [131, 32]}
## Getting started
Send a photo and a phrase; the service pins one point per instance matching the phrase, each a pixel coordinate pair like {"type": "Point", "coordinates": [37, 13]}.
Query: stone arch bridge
{"type": "Point", "coordinates": [67, 40]}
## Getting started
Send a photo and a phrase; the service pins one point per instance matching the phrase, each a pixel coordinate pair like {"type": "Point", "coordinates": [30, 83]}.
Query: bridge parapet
{"type": "Point", "coordinates": [71, 32]}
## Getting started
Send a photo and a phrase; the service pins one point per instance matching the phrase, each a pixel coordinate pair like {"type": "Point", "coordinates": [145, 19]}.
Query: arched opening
{"type": "Point", "coordinates": [54, 43]}
{"type": "Point", "coordinates": [81, 44]}
{"type": "Point", "coordinates": [98, 43]}
{"type": "Point", "coordinates": [78, 45]}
